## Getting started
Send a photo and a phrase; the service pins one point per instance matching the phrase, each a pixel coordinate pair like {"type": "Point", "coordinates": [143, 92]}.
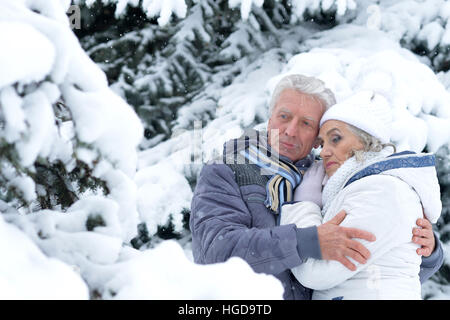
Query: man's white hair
{"type": "Point", "coordinates": [307, 85]}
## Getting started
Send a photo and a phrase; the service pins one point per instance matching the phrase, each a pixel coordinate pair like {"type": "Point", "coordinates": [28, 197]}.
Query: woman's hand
{"type": "Point", "coordinates": [310, 189]}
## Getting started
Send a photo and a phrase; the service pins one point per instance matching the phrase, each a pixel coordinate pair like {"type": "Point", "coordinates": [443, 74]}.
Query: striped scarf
{"type": "Point", "coordinates": [284, 175]}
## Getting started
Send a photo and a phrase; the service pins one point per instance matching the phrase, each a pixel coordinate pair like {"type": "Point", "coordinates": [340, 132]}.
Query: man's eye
{"type": "Point", "coordinates": [283, 116]}
{"type": "Point", "coordinates": [308, 124]}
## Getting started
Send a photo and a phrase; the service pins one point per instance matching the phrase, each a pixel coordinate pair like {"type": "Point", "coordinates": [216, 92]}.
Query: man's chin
{"type": "Point", "coordinates": [293, 156]}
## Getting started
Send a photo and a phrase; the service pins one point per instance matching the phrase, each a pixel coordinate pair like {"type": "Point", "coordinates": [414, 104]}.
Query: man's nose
{"type": "Point", "coordinates": [291, 129]}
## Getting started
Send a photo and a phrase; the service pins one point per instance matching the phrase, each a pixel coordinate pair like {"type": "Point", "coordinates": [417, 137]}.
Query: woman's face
{"type": "Point", "coordinates": [338, 144]}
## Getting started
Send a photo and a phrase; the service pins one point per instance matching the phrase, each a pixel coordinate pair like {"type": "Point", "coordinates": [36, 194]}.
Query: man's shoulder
{"type": "Point", "coordinates": [216, 176]}
{"type": "Point", "coordinates": [242, 174]}
{"type": "Point", "coordinates": [215, 169]}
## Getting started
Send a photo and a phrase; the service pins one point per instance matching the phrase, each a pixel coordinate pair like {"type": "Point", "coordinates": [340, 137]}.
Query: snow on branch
{"type": "Point", "coordinates": [163, 9]}
{"type": "Point", "coordinates": [351, 58]}
{"type": "Point", "coordinates": [421, 26]}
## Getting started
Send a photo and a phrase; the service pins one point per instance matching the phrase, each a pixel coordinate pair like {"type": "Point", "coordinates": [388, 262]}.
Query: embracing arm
{"type": "Point", "coordinates": [367, 212]}
{"type": "Point", "coordinates": [430, 248]}
{"type": "Point", "coordinates": [221, 227]}
{"type": "Point", "coordinates": [431, 264]}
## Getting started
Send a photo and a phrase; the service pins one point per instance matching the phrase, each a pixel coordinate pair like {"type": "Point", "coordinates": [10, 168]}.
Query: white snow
{"type": "Point", "coordinates": [245, 6]}
{"type": "Point", "coordinates": [349, 59]}
{"type": "Point", "coordinates": [166, 273]}
{"type": "Point", "coordinates": [13, 114]}
{"type": "Point", "coordinates": [25, 46]}
{"type": "Point", "coordinates": [431, 34]}
{"type": "Point", "coordinates": [89, 238]}
{"type": "Point", "coordinates": [112, 126]}
{"type": "Point", "coordinates": [162, 192]}
{"type": "Point", "coordinates": [26, 273]}
{"type": "Point", "coordinates": [26, 186]}
{"type": "Point", "coordinates": [43, 63]}
{"type": "Point", "coordinates": [41, 128]}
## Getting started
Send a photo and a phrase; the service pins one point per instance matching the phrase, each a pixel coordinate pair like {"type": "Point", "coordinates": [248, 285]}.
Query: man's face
{"type": "Point", "coordinates": [294, 124]}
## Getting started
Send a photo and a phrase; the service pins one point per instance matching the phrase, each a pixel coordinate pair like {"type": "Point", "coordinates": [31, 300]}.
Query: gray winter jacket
{"type": "Point", "coordinates": [229, 218]}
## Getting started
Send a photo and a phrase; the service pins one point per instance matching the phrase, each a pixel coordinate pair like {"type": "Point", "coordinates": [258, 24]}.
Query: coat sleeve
{"type": "Point", "coordinates": [221, 227]}
{"type": "Point", "coordinates": [303, 214]}
{"type": "Point", "coordinates": [430, 265]}
{"type": "Point", "coordinates": [375, 204]}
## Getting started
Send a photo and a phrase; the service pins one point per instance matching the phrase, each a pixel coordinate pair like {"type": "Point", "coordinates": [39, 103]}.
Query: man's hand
{"type": "Point", "coordinates": [424, 236]}
{"type": "Point", "coordinates": [336, 242]}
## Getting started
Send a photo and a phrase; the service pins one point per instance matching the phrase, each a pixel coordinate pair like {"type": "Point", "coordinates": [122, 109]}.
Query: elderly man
{"type": "Point", "coordinates": [238, 199]}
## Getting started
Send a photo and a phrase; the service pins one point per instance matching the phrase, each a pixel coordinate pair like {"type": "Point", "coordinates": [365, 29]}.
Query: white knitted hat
{"type": "Point", "coordinates": [365, 110]}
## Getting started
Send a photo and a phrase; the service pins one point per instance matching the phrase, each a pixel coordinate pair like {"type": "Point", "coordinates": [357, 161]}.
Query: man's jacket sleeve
{"type": "Point", "coordinates": [221, 227]}
{"type": "Point", "coordinates": [432, 263]}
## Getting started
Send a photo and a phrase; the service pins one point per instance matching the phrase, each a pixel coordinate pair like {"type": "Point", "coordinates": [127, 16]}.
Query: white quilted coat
{"type": "Point", "coordinates": [388, 205]}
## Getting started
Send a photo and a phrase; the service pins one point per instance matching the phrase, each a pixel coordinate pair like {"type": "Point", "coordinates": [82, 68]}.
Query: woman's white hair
{"type": "Point", "coordinates": [307, 85]}
{"type": "Point", "coordinates": [370, 143]}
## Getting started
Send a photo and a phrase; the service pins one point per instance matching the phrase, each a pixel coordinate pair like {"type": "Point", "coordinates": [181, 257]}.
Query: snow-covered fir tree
{"type": "Point", "coordinates": [69, 199]}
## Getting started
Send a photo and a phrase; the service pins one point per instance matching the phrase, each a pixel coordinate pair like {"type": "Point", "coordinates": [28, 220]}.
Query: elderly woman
{"type": "Point", "coordinates": [381, 192]}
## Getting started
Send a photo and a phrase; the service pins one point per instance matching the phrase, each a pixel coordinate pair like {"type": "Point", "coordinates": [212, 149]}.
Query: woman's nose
{"type": "Point", "coordinates": [326, 152]}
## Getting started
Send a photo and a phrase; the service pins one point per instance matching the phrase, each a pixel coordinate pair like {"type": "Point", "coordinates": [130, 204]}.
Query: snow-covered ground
{"type": "Point", "coordinates": [44, 63]}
